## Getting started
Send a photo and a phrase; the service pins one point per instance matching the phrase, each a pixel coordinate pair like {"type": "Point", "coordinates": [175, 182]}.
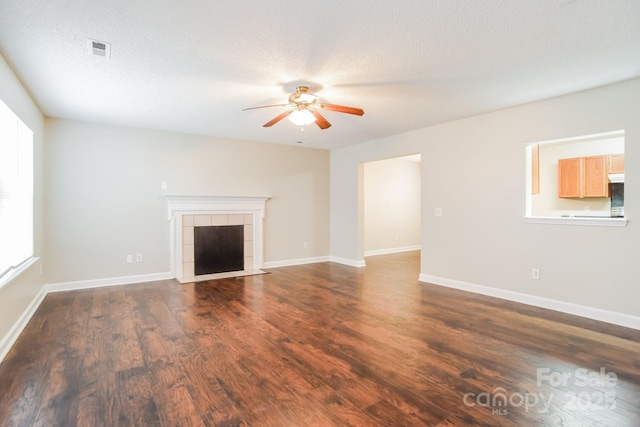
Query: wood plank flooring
{"type": "Point", "coordinates": [315, 345]}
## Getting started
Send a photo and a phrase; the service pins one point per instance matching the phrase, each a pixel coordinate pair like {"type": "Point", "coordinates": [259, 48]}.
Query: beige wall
{"type": "Point", "coordinates": [474, 169]}
{"type": "Point", "coordinates": [103, 193]}
{"type": "Point", "coordinates": [547, 203]}
{"type": "Point", "coordinates": [391, 204]}
{"type": "Point", "coordinates": [16, 296]}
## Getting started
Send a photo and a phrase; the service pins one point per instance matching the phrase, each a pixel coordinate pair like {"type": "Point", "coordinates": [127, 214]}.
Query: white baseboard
{"type": "Point", "coordinates": [349, 262]}
{"type": "Point", "coordinates": [392, 250]}
{"type": "Point", "coordinates": [298, 261]}
{"type": "Point", "coordinates": [301, 261]}
{"type": "Point", "coordinates": [10, 337]}
{"type": "Point", "coordinates": [613, 317]}
{"type": "Point", "coordinates": [112, 281]}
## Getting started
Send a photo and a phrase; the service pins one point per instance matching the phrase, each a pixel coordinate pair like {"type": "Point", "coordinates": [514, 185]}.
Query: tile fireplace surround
{"type": "Point", "coordinates": [189, 211]}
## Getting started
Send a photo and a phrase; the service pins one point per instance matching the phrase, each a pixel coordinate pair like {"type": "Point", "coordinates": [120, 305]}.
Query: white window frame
{"type": "Point", "coordinates": [22, 139]}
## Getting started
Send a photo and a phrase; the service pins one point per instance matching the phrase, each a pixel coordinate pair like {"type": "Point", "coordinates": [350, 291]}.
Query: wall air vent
{"type": "Point", "coordinates": [99, 49]}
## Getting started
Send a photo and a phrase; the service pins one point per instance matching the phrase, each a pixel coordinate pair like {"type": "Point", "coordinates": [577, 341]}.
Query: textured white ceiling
{"type": "Point", "coordinates": [192, 66]}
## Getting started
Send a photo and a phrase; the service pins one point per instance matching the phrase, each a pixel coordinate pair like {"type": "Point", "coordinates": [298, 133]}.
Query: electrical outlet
{"type": "Point", "coordinates": [129, 259]}
{"type": "Point", "coordinates": [138, 257]}
{"type": "Point", "coordinates": [437, 212]}
{"type": "Point", "coordinates": [535, 273]}
{"type": "Point", "coordinates": [164, 185]}
{"type": "Point", "coordinates": [305, 245]}
{"type": "Point", "coordinates": [396, 237]}
{"type": "Point", "coordinates": [587, 208]}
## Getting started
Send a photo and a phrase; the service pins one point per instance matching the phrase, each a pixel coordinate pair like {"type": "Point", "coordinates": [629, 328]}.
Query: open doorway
{"type": "Point", "coordinates": [391, 205]}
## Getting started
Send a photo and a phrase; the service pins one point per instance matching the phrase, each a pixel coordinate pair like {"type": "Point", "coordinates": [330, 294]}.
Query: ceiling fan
{"type": "Point", "coordinates": [303, 109]}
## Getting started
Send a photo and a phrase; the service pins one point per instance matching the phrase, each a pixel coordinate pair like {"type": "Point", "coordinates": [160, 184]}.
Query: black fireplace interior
{"type": "Point", "coordinates": [218, 249]}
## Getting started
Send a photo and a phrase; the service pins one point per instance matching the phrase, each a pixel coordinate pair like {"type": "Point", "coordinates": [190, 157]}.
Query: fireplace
{"type": "Point", "coordinates": [229, 227]}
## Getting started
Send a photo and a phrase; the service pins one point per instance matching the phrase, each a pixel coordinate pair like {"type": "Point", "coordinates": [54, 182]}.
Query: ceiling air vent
{"type": "Point", "coordinates": [99, 49]}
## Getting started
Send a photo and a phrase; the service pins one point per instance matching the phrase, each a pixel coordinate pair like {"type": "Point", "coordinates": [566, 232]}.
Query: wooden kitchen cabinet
{"type": "Point", "coordinates": [583, 177]}
{"type": "Point", "coordinates": [616, 163]}
{"type": "Point", "coordinates": [596, 177]}
{"type": "Point", "coordinates": [535, 169]}
{"type": "Point", "coordinates": [569, 177]}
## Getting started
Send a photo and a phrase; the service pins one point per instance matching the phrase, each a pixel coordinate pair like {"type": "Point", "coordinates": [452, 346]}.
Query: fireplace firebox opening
{"type": "Point", "coordinates": [218, 249]}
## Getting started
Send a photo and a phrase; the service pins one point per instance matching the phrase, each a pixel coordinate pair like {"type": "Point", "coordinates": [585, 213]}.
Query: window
{"type": "Point", "coordinates": [16, 194]}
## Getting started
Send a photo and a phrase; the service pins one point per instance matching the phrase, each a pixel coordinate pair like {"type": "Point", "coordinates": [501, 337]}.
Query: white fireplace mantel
{"type": "Point", "coordinates": [179, 205]}
{"type": "Point", "coordinates": [196, 203]}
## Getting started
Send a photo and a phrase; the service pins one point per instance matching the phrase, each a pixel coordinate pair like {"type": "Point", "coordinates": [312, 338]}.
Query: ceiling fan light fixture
{"type": "Point", "coordinates": [302, 97]}
{"type": "Point", "coordinates": [302, 117]}
{"type": "Point", "coordinates": [306, 98]}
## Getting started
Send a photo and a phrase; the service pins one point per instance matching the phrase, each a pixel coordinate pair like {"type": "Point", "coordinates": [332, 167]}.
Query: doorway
{"type": "Point", "coordinates": [391, 205]}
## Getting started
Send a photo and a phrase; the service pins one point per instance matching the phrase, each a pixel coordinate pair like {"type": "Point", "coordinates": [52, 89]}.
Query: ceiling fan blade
{"type": "Point", "coordinates": [320, 121]}
{"type": "Point", "coordinates": [342, 109]}
{"type": "Point", "coordinates": [264, 106]}
{"type": "Point", "coordinates": [277, 119]}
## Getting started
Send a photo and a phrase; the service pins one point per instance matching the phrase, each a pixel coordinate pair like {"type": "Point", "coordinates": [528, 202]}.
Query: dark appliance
{"type": "Point", "coordinates": [616, 190]}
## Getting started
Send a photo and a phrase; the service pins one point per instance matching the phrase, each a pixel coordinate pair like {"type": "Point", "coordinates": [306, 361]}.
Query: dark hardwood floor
{"type": "Point", "coordinates": [315, 345]}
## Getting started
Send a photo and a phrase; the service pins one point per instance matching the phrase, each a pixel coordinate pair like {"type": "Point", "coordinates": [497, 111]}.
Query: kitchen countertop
{"type": "Point", "coordinates": [589, 216]}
